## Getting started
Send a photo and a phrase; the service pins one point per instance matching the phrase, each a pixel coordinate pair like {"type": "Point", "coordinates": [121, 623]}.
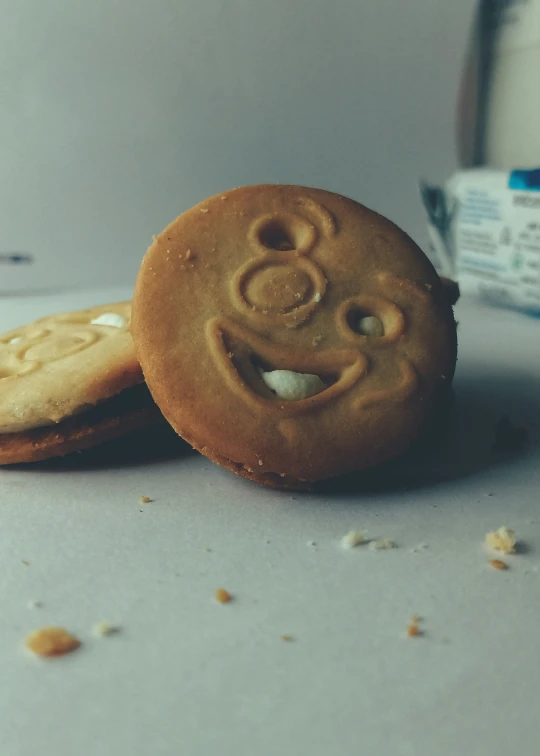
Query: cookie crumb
{"type": "Point", "coordinates": [498, 564]}
{"type": "Point", "coordinates": [413, 631]}
{"type": "Point", "coordinates": [260, 462]}
{"type": "Point", "coordinates": [317, 297]}
{"type": "Point", "coordinates": [188, 254]}
{"type": "Point", "coordinates": [145, 499]}
{"type": "Point", "coordinates": [287, 638]}
{"type": "Point", "coordinates": [353, 538]}
{"type": "Point", "coordinates": [204, 209]}
{"type": "Point", "coordinates": [503, 540]}
{"type": "Point", "coordinates": [428, 287]}
{"type": "Point", "coordinates": [52, 641]}
{"type": "Point", "coordinates": [415, 619]}
{"type": "Point", "coordinates": [26, 564]}
{"type": "Point", "coordinates": [381, 543]}
{"type": "Point", "coordinates": [223, 596]}
{"type": "Point", "coordinates": [104, 628]}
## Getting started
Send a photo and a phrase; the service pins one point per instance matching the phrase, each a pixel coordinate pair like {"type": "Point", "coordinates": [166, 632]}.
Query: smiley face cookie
{"type": "Point", "coordinates": [291, 334]}
{"type": "Point", "coordinates": [68, 382]}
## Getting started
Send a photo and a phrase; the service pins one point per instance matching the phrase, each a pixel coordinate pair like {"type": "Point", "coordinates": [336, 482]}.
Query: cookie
{"type": "Point", "coordinates": [68, 382]}
{"type": "Point", "coordinates": [292, 335]}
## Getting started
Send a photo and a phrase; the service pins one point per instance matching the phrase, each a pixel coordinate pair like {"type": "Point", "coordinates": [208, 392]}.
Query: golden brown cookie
{"type": "Point", "coordinates": [68, 382]}
{"type": "Point", "coordinates": [291, 334]}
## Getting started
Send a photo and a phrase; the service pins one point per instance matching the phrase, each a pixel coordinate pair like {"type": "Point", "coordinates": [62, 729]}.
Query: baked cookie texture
{"type": "Point", "coordinates": [68, 382]}
{"type": "Point", "coordinates": [292, 335]}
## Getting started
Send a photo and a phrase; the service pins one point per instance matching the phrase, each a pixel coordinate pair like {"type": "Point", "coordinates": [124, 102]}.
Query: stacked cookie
{"type": "Point", "coordinates": [68, 382]}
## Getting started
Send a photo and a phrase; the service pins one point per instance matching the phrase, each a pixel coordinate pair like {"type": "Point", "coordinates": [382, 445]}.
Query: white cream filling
{"type": "Point", "coordinates": [370, 326]}
{"type": "Point", "coordinates": [110, 319]}
{"type": "Point", "coordinates": [292, 386]}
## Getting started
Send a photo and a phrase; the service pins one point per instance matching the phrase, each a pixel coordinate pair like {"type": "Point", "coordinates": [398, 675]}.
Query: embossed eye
{"type": "Point", "coordinates": [283, 232]}
{"type": "Point", "coordinates": [370, 317]}
{"type": "Point", "coordinates": [364, 323]}
{"type": "Point", "coordinates": [275, 236]}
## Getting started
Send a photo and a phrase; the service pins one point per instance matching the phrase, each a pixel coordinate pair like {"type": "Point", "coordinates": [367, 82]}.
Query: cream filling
{"type": "Point", "coordinates": [110, 319]}
{"type": "Point", "coordinates": [291, 386]}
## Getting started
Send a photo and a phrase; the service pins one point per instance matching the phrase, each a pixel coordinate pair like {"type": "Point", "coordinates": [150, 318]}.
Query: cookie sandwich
{"type": "Point", "coordinates": [69, 382]}
{"type": "Point", "coordinates": [292, 335]}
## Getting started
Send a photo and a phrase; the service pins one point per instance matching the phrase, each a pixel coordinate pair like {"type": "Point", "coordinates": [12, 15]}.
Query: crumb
{"type": "Point", "coordinates": [499, 564]}
{"type": "Point", "coordinates": [317, 297]}
{"type": "Point", "coordinates": [33, 604]}
{"type": "Point", "coordinates": [287, 638]}
{"type": "Point", "coordinates": [207, 549]}
{"type": "Point", "coordinates": [503, 540]}
{"type": "Point", "coordinates": [428, 287]}
{"type": "Point", "coordinates": [204, 209]}
{"type": "Point", "coordinates": [316, 341]}
{"type": "Point", "coordinates": [382, 543]}
{"type": "Point", "coordinates": [415, 619]}
{"type": "Point", "coordinates": [52, 641]}
{"type": "Point", "coordinates": [154, 238]}
{"type": "Point", "coordinates": [230, 355]}
{"type": "Point", "coordinates": [188, 254]}
{"type": "Point", "coordinates": [311, 543]}
{"type": "Point", "coordinates": [420, 547]}
{"type": "Point", "coordinates": [413, 631]}
{"type": "Point", "coordinates": [145, 499]}
{"type": "Point", "coordinates": [223, 197]}
{"type": "Point", "coordinates": [223, 596]}
{"type": "Point", "coordinates": [26, 564]}
{"type": "Point", "coordinates": [105, 628]}
{"type": "Point", "coordinates": [509, 438]}
{"type": "Point", "coordinates": [260, 462]}
{"type": "Point", "coordinates": [353, 538]}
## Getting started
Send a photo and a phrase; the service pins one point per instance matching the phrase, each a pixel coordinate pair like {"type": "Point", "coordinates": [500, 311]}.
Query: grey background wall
{"type": "Point", "coordinates": [116, 115]}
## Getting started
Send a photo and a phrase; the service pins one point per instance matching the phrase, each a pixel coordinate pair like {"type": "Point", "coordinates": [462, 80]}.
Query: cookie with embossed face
{"type": "Point", "coordinates": [68, 382]}
{"type": "Point", "coordinates": [291, 334]}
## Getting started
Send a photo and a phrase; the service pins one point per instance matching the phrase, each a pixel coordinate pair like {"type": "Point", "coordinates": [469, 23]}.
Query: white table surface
{"type": "Point", "coordinates": [189, 676]}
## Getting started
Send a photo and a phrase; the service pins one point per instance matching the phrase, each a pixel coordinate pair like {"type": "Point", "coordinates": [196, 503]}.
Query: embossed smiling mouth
{"type": "Point", "coordinates": [273, 376]}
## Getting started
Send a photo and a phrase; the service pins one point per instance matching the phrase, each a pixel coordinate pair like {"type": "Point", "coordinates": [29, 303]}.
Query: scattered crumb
{"type": "Point", "coordinates": [503, 540]}
{"type": "Point", "coordinates": [428, 287]}
{"type": "Point", "coordinates": [26, 564]}
{"type": "Point", "coordinates": [33, 604]}
{"type": "Point", "coordinates": [188, 254]}
{"type": "Point", "coordinates": [52, 641]}
{"type": "Point", "coordinates": [207, 549]}
{"type": "Point", "coordinates": [223, 197]}
{"type": "Point", "coordinates": [154, 238]}
{"type": "Point", "coordinates": [105, 628]}
{"type": "Point", "coordinates": [204, 209]}
{"type": "Point", "coordinates": [317, 340]}
{"type": "Point", "coordinates": [415, 619]}
{"type": "Point", "coordinates": [260, 461]}
{"type": "Point", "coordinates": [353, 538]}
{"type": "Point", "coordinates": [382, 543]}
{"type": "Point", "coordinates": [413, 631]}
{"type": "Point", "coordinates": [223, 596]}
{"type": "Point", "coordinates": [287, 638]}
{"type": "Point", "coordinates": [145, 499]}
{"type": "Point", "coordinates": [499, 564]}
{"type": "Point", "coordinates": [317, 297]}
{"type": "Point", "coordinates": [509, 438]}
{"type": "Point", "coordinates": [311, 543]}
